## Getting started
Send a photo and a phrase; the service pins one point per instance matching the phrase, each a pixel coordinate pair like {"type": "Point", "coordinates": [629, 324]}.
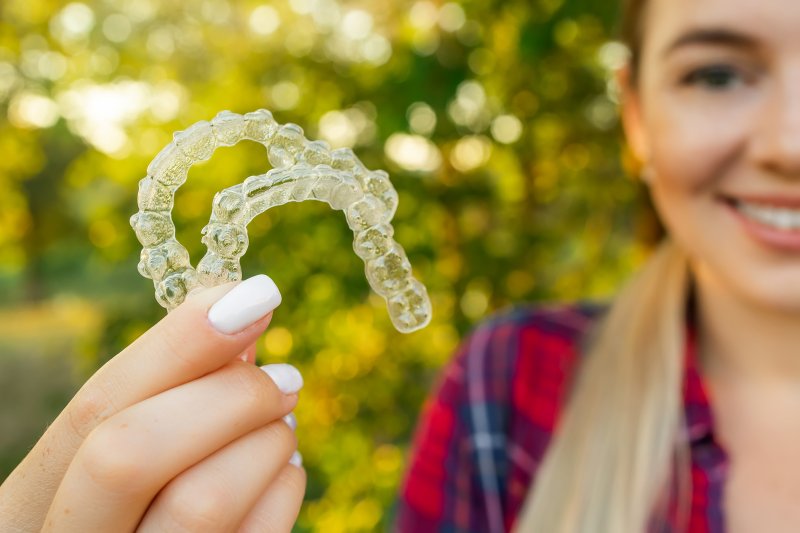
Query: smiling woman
{"type": "Point", "coordinates": [681, 414]}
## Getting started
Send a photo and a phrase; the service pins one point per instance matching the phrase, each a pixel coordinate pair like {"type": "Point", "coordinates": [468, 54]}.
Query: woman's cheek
{"type": "Point", "coordinates": [684, 165]}
{"type": "Point", "coordinates": [691, 150]}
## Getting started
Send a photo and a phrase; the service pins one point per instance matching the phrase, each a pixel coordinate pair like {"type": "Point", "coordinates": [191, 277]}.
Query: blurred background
{"type": "Point", "coordinates": [497, 120]}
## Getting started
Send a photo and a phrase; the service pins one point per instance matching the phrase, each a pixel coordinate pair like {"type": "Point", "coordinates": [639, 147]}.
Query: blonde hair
{"type": "Point", "coordinates": [620, 442]}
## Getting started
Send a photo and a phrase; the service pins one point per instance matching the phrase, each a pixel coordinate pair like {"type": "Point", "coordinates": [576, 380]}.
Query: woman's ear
{"type": "Point", "coordinates": [632, 120]}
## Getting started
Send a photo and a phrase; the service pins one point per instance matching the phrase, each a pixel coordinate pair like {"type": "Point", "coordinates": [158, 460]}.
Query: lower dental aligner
{"type": "Point", "coordinates": [302, 170]}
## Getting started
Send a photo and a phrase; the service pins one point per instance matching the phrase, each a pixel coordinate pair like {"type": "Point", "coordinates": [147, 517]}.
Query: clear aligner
{"type": "Point", "coordinates": [302, 170]}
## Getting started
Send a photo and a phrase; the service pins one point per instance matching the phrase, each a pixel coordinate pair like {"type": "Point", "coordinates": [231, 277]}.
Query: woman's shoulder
{"type": "Point", "coordinates": [529, 336]}
{"type": "Point", "coordinates": [521, 333]}
{"type": "Point", "coordinates": [567, 319]}
{"type": "Point", "coordinates": [520, 348]}
{"type": "Point", "coordinates": [491, 416]}
{"type": "Point", "coordinates": [525, 355]}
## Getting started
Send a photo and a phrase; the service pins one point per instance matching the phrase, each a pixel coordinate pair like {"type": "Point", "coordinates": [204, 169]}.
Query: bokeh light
{"type": "Point", "coordinates": [506, 129]}
{"type": "Point", "coordinates": [421, 118]}
{"type": "Point", "coordinates": [413, 152]}
{"type": "Point", "coordinates": [264, 20]}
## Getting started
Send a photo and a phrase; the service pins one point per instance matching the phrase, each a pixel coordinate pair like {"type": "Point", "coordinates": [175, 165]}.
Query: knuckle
{"type": "Point", "coordinates": [170, 335]}
{"type": "Point", "coordinates": [294, 479]}
{"type": "Point", "coordinates": [194, 508]}
{"type": "Point", "coordinates": [251, 386]}
{"type": "Point", "coordinates": [277, 437]}
{"type": "Point", "coordinates": [281, 435]}
{"type": "Point", "coordinates": [174, 345]}
{"type": "Point", "coordinates": [92, 406]}
{"type": "Point", "coordinates": [112, 461]}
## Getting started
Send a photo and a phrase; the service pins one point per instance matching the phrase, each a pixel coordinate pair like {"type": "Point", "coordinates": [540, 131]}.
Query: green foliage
{"type": "Point", "coordinates": [514, 192]}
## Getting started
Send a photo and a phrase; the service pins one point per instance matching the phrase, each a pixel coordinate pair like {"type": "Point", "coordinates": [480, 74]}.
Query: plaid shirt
{"type": "Point", "coordinates": [485, 431]}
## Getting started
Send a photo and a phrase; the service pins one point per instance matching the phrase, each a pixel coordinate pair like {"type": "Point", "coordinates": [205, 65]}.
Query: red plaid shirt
{"type": "Point", "coordinates": [485, 431]}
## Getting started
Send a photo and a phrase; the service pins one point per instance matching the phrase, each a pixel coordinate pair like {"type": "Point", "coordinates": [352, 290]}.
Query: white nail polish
{"type": "Point", "coordinates": [291, 420]}
{"type": "Point", "coordinates": [286, 377]}
{"type": "Point", "coordinates": [296, 459]}
{"type": "Point", "coordinates": [244, 304]}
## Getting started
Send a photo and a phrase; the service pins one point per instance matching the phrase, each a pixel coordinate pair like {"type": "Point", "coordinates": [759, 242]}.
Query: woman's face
{"type": "Point", "coordinates": [716, 113]}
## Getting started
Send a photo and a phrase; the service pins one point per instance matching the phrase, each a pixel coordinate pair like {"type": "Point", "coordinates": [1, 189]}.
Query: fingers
{"type": "Point", "coordinates": [204, 333]}
{"type": "Point", "coordinates": [181, 347]}
{"type": "Point", "coordinates": [127, 459]}
{"type": "Point", "coordinates": [217, 494]}
{"type": "Point", "coordinates": [277, 509]}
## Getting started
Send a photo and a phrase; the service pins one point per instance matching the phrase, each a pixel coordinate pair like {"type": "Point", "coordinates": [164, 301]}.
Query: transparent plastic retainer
{"type": "Point", "coordinates": [302, 170]}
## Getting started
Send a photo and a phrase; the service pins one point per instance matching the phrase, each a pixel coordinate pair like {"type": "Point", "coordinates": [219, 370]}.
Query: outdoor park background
{"type": "Point", "coordinates": [496, 119]}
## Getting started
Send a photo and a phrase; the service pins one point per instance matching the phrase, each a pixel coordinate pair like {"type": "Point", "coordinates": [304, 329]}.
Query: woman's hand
{"type": "Point", "coordinates": [175, 433]}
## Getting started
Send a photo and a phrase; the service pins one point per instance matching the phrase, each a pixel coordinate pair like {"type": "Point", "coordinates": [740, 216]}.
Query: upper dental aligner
{"type": "Point", "coordinates": [302, 170]}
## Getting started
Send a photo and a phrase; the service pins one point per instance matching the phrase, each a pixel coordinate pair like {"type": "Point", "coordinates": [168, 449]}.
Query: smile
{"type": "Point", "coordinates": [772, 221]}
{"type": "Point", "coordinates": [781, 218]}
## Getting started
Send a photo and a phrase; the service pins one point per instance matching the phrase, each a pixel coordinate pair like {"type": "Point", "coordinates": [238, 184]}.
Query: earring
{"type": "Point", "coordinates": [648, 173]}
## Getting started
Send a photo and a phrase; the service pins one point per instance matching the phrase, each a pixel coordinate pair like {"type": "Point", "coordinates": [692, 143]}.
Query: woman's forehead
{"type": "Point", "coordinates": [767, 20]}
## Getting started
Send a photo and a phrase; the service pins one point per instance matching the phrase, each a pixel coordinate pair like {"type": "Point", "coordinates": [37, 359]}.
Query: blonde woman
{"type": "Point", "coordinates": [677, 408]}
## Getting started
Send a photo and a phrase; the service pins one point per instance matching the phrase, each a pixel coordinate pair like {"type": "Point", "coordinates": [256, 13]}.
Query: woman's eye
{"type": "Point", "coordinates": [714, 77]}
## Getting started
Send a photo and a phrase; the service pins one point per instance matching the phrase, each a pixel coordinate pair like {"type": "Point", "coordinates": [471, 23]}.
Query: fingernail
{"type": "Point", "coordinates": [296, 459]}
{"type": "Point", "coordinates": [286, 377]}
{"type": "Point", "coordinates": [291, 420]}
{"type": "Point", "coordinates": [244, 304]}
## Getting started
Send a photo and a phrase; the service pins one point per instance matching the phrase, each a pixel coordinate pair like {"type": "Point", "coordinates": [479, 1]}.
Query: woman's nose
{"type": "Point", "coordinates": [776, 141]}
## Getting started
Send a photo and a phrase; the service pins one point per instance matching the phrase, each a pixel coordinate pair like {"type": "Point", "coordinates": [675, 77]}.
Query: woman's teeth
{"type": "Point", "coordinates": [782, 218]}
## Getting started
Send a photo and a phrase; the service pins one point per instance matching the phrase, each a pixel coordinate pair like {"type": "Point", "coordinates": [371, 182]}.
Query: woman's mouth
{"type": "Point", "coordinates": [780, 218]}
{"type": "Point", "coordinates": [773, 222]}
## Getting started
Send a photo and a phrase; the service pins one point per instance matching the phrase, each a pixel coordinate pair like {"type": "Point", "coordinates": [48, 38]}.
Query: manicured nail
{"type": "Point", "coordinates": [244, 304]}
{"type": "Point", "coordinates": [286, 377]}
{"type": "Point", "coordinates": [291, 420]}
{"type": "Point", "coordinates": [296, 459]}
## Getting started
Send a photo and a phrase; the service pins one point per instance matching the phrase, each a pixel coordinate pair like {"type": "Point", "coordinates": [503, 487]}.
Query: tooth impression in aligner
{"type": "Point", "coordinates": [303, 170]}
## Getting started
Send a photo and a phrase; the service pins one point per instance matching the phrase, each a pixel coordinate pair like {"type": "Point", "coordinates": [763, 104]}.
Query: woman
{"type": "Point", "coordinates": [132, 451]}
{"type": "Point", "coordinates": [684, 411]}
